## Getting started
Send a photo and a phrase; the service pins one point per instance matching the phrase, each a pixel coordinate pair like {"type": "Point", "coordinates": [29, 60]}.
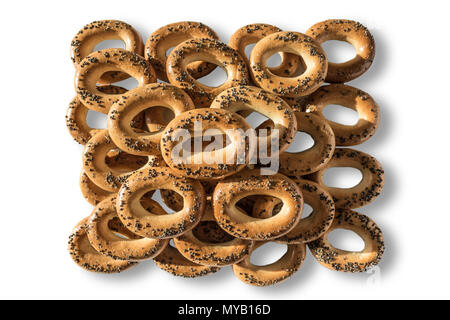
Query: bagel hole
{"type": "Point", "coordinates": [302, 142]}
{"type": "Point", "coordinates": [342, 177]}
{"type": "Point", "coordinates": [122, 162]}
{"type": "Point", "coordinates": [260, 122]}
{"type": "Point", "coordinates": [157, 118]}
{"type": "Point", "coordinates": [341, 114]}
{"type": "Point", "coordinates": [215, 79]}
{"type": "Point", "coordinates": [274, 60]}
{"type": "Point", "coordinates": [346, 240]}
{"type": "Point", "coordinates": [168, 51]}
{"type": "Point", "coordinates": [246, 204]}
{"type": "Point", "coordinates": [248, 49]}
{"type": "Point", "coordinates": [268, 253]}
{"type": "Point", "coordinates": [109, 44]}
{"type": "Point", "coordinates": [129, 83]}
{"type": "Point", "coordinates": [159, 199]}
{"type": "Point", "coordinates": [96, 120]}
{"type": "Point", "coordinates": [210, 232]}
{"type": "Point", "coordinates": [307, 211]}
{"type": "Point", "coordinates": [338, 51]}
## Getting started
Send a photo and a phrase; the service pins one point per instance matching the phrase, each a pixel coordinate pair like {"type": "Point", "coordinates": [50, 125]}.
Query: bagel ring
{"type": "Point", "coordinates": [296, 43]}
{"type": "Point", "coordinates": [95, 32]}
{"type": "Point", "coordinates": [137, 101]}
{"type": "Point", "coordinates": [363, 193]}
{"type": "Point", "coordinates": [84, 255]}
{"type": "Point", "coordinates": [146, 224]}
{"type": "Point", "coordinates": [212, 253]}
{"type": "Point", "coordinates": [352, 32]}
{"type": "Point", "coordinates": [172, 261]}
{"type": "Point", "coordinates": [309, 228]}
{"type": "Point", "coordinates": [252, 33]}
{"type": "Point", "coordinates": [102, 173]}
{"type": "Point", "coordinates": [240, 225]}
{"type": "Point", "coordinates": [107, 242]}
{"type": "Point", "coordinates": [214, 164]}
{"type": "Point", "coordinates": [77, 113]}
{"type": "Point", "coordinates": [172, 35]}
{"type": "Point", "coordinates": [352, 98]}
{"type": "Point", "coordinates": [207, 50]}
{"type": "Point", "coordinates": [97, 63]}
{"type": "Point", "coordinates": [295, 164]}
{"type": "Point", "coordinates": [247, 98]}
{"type": "Point", "coordinates": [349, 261]}
{"type": "Point", "coordinates": [272, 273]}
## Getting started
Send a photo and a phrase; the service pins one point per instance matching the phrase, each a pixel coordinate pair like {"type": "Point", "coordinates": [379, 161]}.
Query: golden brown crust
{"type": "Point", "coordinates": [352, 98]}
{"type": "Point", "coordinates": [213, 164]}
{"type": "Point", "coordinates": [309, 228]}
{"type": "Point", "coordinates": [253, 99]}
{"type": "Point", "coordinates": [207, 50]}
{"type": "Point", "coordinates": [77, 113]}
{"type": "Point", "coordinates": [95, 32]}
{"type": "Point", "coordinates": [172, 35]}
{"type": "Point", "coordinates": [212, 253]}
{"type": "Point", "coordinates": [352, 32]}
{"type": "Point", "coordinates": [273, 273]}
{"type": "Point", "coordinates": [146, 224]}
{"type": "Point", "coordinates": [91, 192]}
{"type": "Point", "coordinates": [84, 255]}
{"type": "Point", "coordinates": [313, 159]}
{"type": "Point", "coordinates": [348, 261]}
{"type": "Point", "coordinates": [252, 33]}
{"type": "Point", "coordinates": [133, 103]}
{"type": "Point", "coordinates": [107, 241]}
{"type": "Point", "coordinates": [172, 261]}
{"type": "Point", "coordinates": [229, 191]}
{"type": "Point", "coordinates": [97, 63]}
{"type": "Point", "coordinates": [296, 43]}
{"type": "Point", "coordinates": [366, 191]}
{"type": "Point", "coordinates": [102, 173]}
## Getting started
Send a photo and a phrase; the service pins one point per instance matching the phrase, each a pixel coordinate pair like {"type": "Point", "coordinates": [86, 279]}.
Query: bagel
{"type": "Point", "coordinates": [85, 256]}
{"type": "Point", "coordinates": [363, 193]}
{"type": "Point", "coordinates": [98, 63]}
{"type": "Point", "coordinates": [352, 32]}
{"type": "Point", "coordinates": [214, 164]}
{"type": "Point", "coordinates": [313, 159]}
{"type": "Point", "coordinates": [251, 34]}
{"type": "Point", "coordinates": [352, 98]}
{"type": "Point", "coordinates": [106, 241]}
{"type": "Point", "coordinates": [309, 228]}
{"type": "Point", "coordinates": [146, 224]}
{"type": "Point", "coordinates": [349, 261]}
{"type": "Point", "coordinates": [296, 43]}
{"type": "Point", "coordinates": [253, 99]}
{"type": "Point", "coordinates": [172, 35]}
{"type": "Point", "coordinates": [247, 183]}
{"type": "Point", "coordinates": [272, 273]}
{"type": "Point", "coordinates": [95, 32]}
{"type": "Point", "coordinates": [102, 173]}
{"type": "Point", "coordinates": [207, 50]}
{"type": "Point", "coordinates": [137, 101]}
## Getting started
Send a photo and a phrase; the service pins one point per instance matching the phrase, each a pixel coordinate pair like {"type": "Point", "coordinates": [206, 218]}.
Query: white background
{"type": "Point", "coordinates": [40, 163]}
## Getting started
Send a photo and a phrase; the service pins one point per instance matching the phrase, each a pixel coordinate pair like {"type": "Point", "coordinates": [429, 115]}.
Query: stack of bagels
{"type": "Point", "coordinates": [220, 212]}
